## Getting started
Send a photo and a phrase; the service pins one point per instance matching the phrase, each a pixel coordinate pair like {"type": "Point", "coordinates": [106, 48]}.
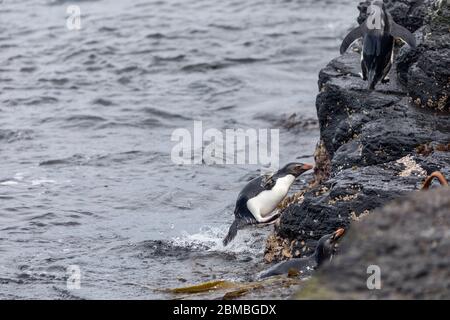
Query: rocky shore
{"type": "Point", "coordinates": [407, 240]}
{"type": "Point", "coordinates": [377, 146]}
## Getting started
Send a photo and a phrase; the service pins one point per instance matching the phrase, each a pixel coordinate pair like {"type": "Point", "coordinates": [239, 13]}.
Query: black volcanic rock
{"type": "Point", "coordinates": [407, 240]}
{"type": "Point", "coordinates": [359, 127]}
{"type": "Point", "coordinates": [426, 71]}
{"type": "Point", "coordinates": [375, 146]}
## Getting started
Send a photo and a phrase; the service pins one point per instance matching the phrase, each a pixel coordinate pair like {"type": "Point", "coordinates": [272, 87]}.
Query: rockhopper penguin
{"type": "Point", "coordinates": [378, 32]}
{"type": "Point", "coordinates": [261, 196]}
{"type": "Point", "coordinates": [326, 248]}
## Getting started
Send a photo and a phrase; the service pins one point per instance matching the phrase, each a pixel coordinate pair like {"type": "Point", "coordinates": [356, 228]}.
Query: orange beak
{"type": "Point", "coordinates": [307, 166]}
{"type": "Point", "coordinates": [338, 233]}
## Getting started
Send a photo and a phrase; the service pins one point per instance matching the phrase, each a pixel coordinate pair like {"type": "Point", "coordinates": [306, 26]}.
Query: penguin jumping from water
{"type": "Point", "coordinates": [261, 196]}
{"type": "Point", "coordinates": [325, 250]}
{"type": "Point", "coordinates": [378, 32]}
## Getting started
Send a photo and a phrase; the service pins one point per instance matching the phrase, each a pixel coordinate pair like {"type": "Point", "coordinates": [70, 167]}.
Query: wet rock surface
{"type": "Point", "coordinates": [376, 146]}
{"type": "Point", "coordinates": [408, 240]}
{"type": "Point", "coordinates": [425, 72]}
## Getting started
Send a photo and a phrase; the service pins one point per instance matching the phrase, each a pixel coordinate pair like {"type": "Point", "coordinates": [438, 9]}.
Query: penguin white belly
{"type": "Point", "coordinates": [265, 202]}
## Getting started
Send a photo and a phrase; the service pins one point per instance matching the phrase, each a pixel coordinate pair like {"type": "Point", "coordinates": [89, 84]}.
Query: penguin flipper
{"type": "Point", "coordinates": [397, 31]}
{"type": "Point", "coordinates": [350, 38]}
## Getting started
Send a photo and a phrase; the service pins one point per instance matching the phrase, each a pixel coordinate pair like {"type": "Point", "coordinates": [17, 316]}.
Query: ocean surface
{"type": "Point", "coordinates": [86, 118]}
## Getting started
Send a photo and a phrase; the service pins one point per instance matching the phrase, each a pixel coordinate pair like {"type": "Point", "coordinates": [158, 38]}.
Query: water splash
{"type": "Point", "coordinates": [248, 241]}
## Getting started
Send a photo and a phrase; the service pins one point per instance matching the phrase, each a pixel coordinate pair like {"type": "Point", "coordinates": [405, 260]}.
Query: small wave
{"type": "Point", "coordinates": [45, 216]}
{"type": "Point", "coordinates": [245, 60]}
{"type": "Point", "coordinates": [124, 80]}
{"type": "Point", "coordinates": [55, 81]}
{"type": "Point", "coordinates": [160, 58]}
{"type": "Point", "coordinates": [121, 157]}
{"type": "Point", "coordinates": [28, 69]}
{"type": "Point", "coordinates": [226, 27]}
{"type": "Point", "coordinates": [78, 120]}
{"type": "Point", "coordinates": [227, 62]}
{"type": "Point", "coordinates": [9, 183]}
{"type": "Point", "coordinates": [15, 135]}
{"type": "Point", "coordinates": [226, 108]}
{"type": "Point", "coordinates": [294, 121]}
{"type": "Point", "coordinates": [8, 46]}
{"type": "Point", "coordinates": [66, 294]}
{"type": "Point", "coordinates": [118, 124]}
{"type": "Point", "coordinates": [61, 2]}
{"type": "Point", "coordinates": [205, 66]}
{"type": "Point", "coordinates": [103, 102]}
{"type": "Point", "coordinates": [150, 122]}
{"type": "Point", "coordinates": [156, 35]}
{"type": "Point", "coordinates": [67, 223]}
{"type": "Point", "coordinates": [16, 180]}
{"type": "Point", "coordinates": [39, 182]}
{"type": "Point", "coordinates": [164, 114]}
{"type": "Point", "coordinates": [33, 101]}
{"type": "Point", "coordinates": [82, 118]}
{"type": "Point", "coordinates": [107, 29]}
{"type": "Point", "coordinates": [130, 69]}
{"type": "Point", "coordinates": [206, 243]}
{"type": "Point", "coordinates": [100, 160]}
{"type": "Point", "coordinates": [162, 248]}
{"type": "Point", "coordinates": [76, 159]}
{"type": "Point", "coordinates": [42, 100]}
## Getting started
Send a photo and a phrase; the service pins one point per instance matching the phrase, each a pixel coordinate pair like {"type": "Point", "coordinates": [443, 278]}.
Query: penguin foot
{"type": "Point", "coordinates": [435, 175]}
{"type": "Point", "coordinates": [385, 80]}
{"type": "Point", "coordinates": [362, 76]}
{"type": "Point", "coordinates": [264, 224]}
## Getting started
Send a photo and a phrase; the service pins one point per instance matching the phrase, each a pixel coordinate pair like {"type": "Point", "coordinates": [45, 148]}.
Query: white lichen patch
{"type": "Point", "coordinates": [359, 217]}
{"type": "Point", "coordinates": [347, 197]}
{"type": "Point", "coordinates": [322, 191]}
{"type": "Point", "coordinates": [411, 167]}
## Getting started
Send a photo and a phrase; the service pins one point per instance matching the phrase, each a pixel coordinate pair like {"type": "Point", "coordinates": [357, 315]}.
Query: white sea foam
{"type": "Point", "coordinates": [39, 182]}
{"type": "Point", "coordinates": [211, 238]}
{"type": "Point", "coordinates": [9, 183]}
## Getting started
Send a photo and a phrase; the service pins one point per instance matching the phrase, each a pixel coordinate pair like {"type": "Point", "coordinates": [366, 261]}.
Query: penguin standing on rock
{"type": "Point", "coordinates": [378, 32]}
{"type": "Point", "coordinates": [325, 250]}
{"type": "Point", "coordinates": [261, 196]}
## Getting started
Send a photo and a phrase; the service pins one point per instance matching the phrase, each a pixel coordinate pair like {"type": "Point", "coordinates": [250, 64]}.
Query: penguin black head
{"type": "Point", "coordinates": [326, 247]}
{"type": "Point", "coordinates": [378, 3]}
{"type": "Point", "coordinates": [295, 169]}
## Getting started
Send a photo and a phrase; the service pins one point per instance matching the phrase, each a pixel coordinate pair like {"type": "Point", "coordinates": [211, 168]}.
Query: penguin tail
{"type": "Point", "coordinates": [232, 232]}
{"type": "Point", "coordinates": [372, 81]}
